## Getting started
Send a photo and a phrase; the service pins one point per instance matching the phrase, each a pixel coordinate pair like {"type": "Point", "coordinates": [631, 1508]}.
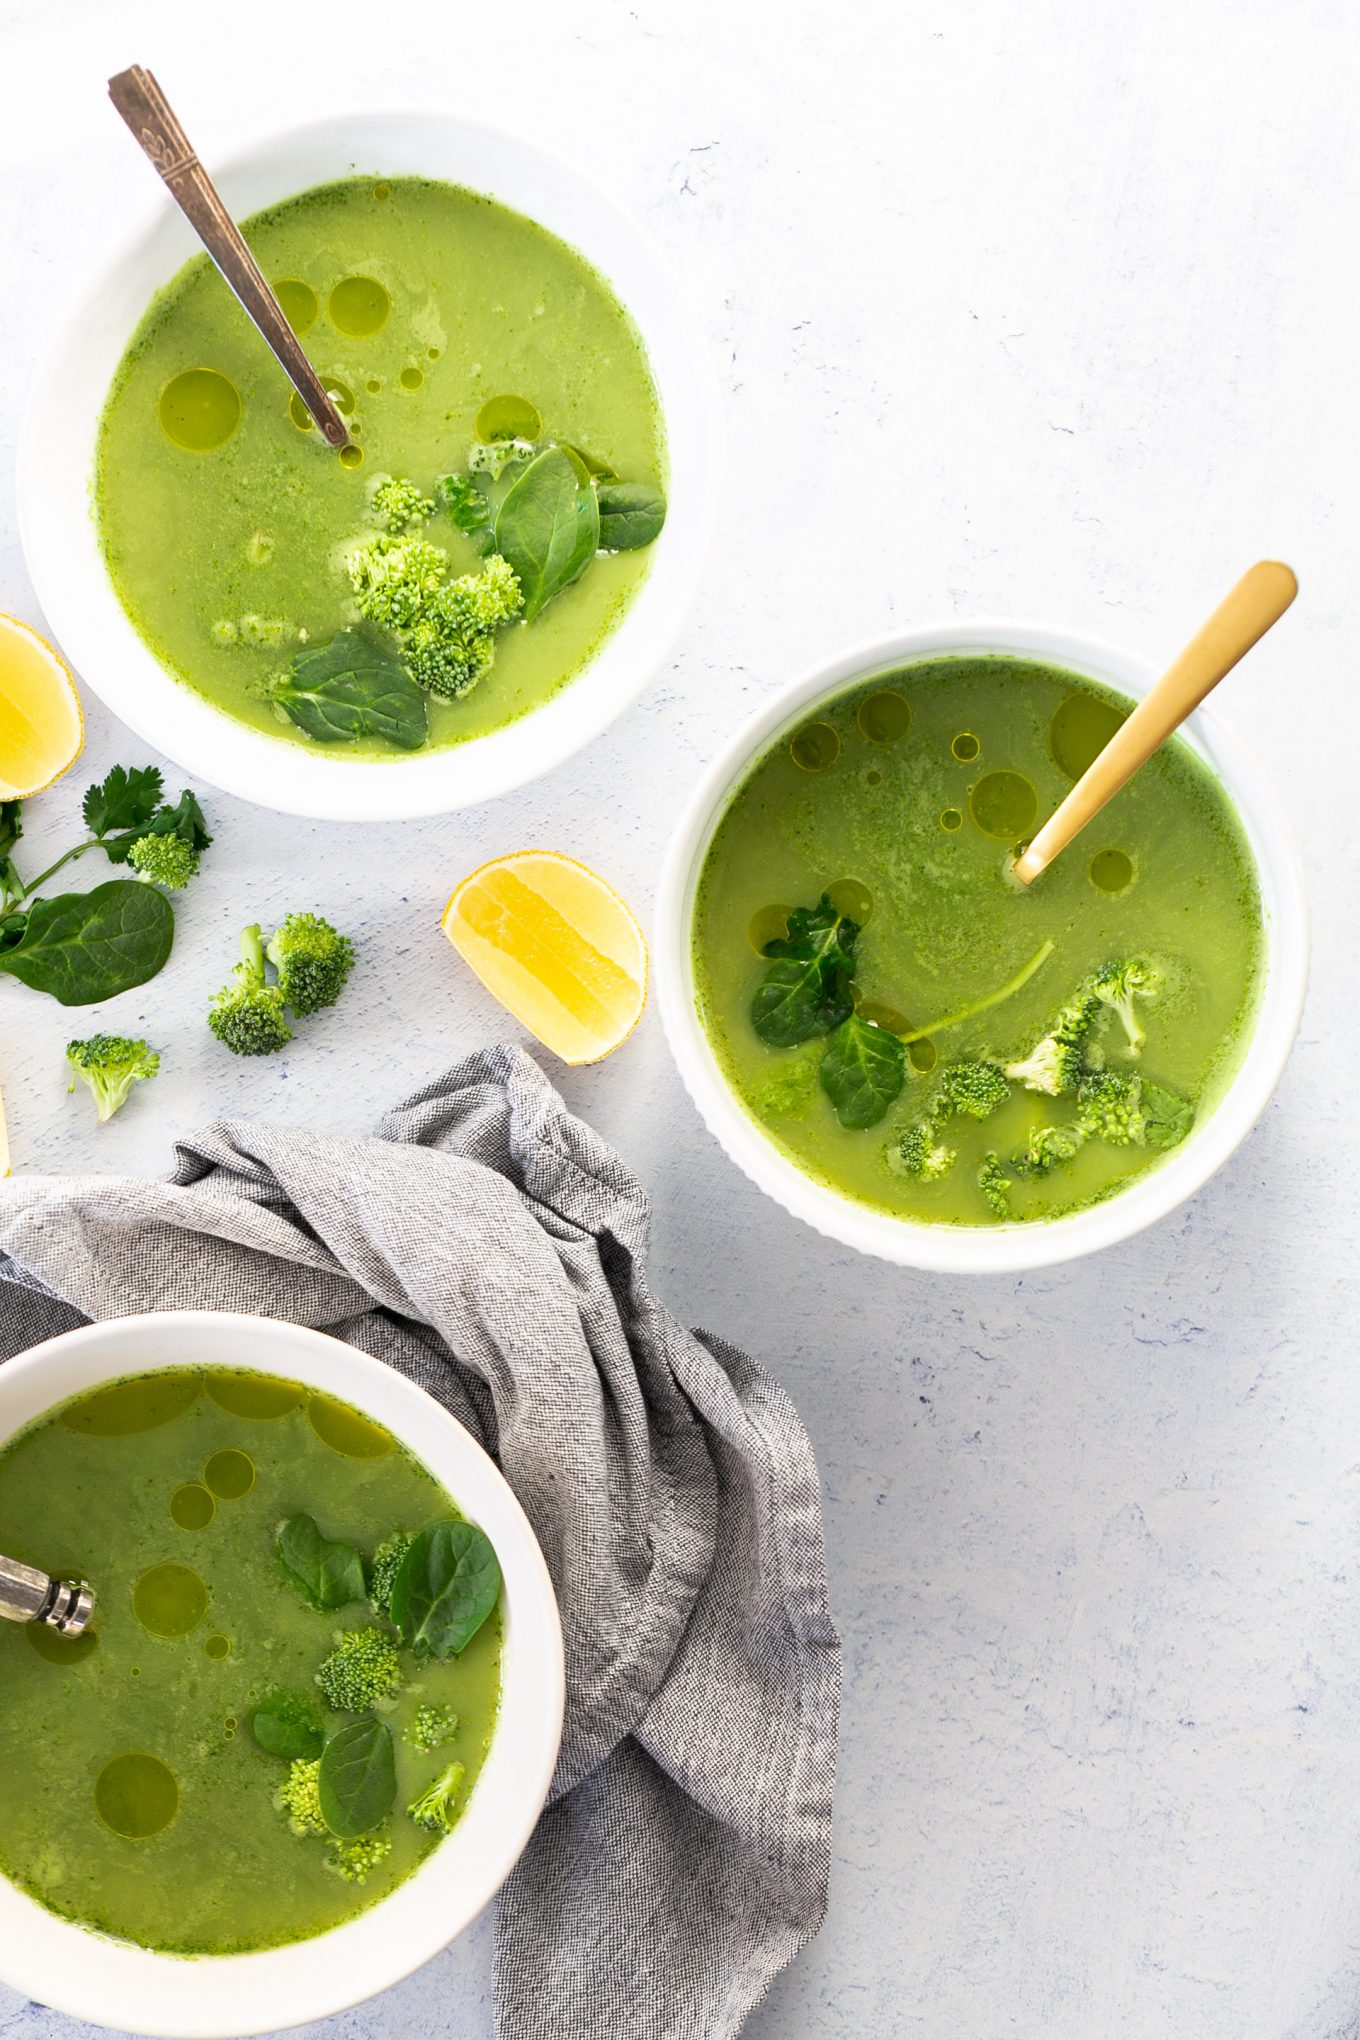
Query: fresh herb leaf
{"type": "Point", "coordinates": [445, 1588]}
{"type": "Point", "coordinates": [548, 526]}
{"type": "Point", "coordinates": [862, 1072]}
{"type": "Point", "coordinates": [11, 825]}
{"type": "Point", "coordinates": [331, 1571]}
{"type": "Point", "coordinates": [465, 500]}
{"type": "Point", "coordinates": [357, 1782]}
{"type": "Point", "coordinates": [123, 799]}
{"type": "Point", "coordinates": [631, 515]}
{"type": "Point", "coordinates": [81, 947]}
{"type": "Point", "coordinates": [185, 819]}
{"type": "Point", "coordinates": [287, 1727]}
{"type": "Point", "coordinates": [350, 687]}
{"type": "Point", "coordinates": [807, 990]}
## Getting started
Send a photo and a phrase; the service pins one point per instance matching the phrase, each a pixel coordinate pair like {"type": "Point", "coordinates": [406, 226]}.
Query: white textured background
{"type": "Point", "coordinates": [1043, 308]}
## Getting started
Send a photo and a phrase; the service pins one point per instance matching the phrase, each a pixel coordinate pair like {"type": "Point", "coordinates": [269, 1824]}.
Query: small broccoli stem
{"type": "Point", "coordinates": [1007, 991]}
{"type": "Point", "coordinates": [252, 950]}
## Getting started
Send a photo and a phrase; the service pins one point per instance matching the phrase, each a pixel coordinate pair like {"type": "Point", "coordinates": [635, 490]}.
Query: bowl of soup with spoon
{"type": "Point", "coordinates": [912, 1051]}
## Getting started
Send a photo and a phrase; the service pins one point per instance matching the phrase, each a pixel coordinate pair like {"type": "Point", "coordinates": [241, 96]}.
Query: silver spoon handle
{"type": "Point", "coordinates": [27, 1595]}
{"type": "Point", "coordinates": [147, 112]}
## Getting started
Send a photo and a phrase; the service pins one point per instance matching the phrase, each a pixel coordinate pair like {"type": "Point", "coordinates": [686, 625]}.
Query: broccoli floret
{"type": "Point", "coordinates": [433, 1808]}
{"type": "Point", "coordinates": [312, 961]}
{"type": "Point", "coordinates": [917, 1152]}
{"type": "Point", "coordinates": [394, 578]}
{"type": "Point", "coordinates": [110, 1064]}
{"type": "Point", "coordinates": [1058, 1062]}
{"type": "Point", "coordinates": [431, 1727]}
{"type": "Point", "coordinates": [164, 860]}
{"type": "Point", "coordinates": [492, 457]}
{"type": "Point", "coordinates": [465, 501]}
{"type": "Point", "coordinates": [300, 1799]}
{"type": "Point", "coordinates": [451, 646]}
{"type": "Point", "coordinates": [1117, 985]}
{"type": "Point", "coordinates": [386, 1560]}
{"type": "Point", "coordinates": [356, 1857]}
{"type": "Point", "coordinates": [995, 1185]}
{"type": "Point", "coordinates": [399, 505]}
{"type": "Point", "coordinates": [1109, 1107]}
{"type": "Point", "coordinates": [974, 1088]}
{"type": "Point", "coordinates": [1047, 1148]}
{"type": "Point", "coordinates": [247, 1014]}
{"type": "Point", "coordinates": [362, 1671]}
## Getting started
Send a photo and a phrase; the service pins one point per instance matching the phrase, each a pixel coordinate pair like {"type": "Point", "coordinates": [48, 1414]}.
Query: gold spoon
{"type": "Point", "coordinates": [1260, 599]}
{"type": "Point", "coordinates": [147, 112]}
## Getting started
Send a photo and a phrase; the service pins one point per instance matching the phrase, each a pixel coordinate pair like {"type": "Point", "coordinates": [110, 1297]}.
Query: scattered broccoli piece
{"type": "Point", "coordinates": [465, 501]}
{"type": "Point", "coordinates": [431, 1727]}
{"type": "Point", "coordinates": [1058, 1063]}
{"type": "Point", "coordinates": [110, 1064]}
{"type": "Point", "coordinates": [1047, 1148]}
{"type": "Point", "coordinates": [386, 1559]}
{"type": "Point", "coordinates": [974, 1088]}
{"type": "Point", "coordinates": [312, 960]}
{"type": "Point", "coordinates": [1118, 985]}
{"type": "Point", "coordinates": [492, 457]}
{"type": "Point", "coordinates": [1109, 1107]}
{"type": "Point", "coordinates": [917, 1152]}
{"type": "Point", "coordinates": [164, 860]}
{"type": "Point", "coordinates": [433, 1808]}
{"type": "Point", "coordinates": [394, 578]}
{"type": "Point", "coordinates": [247, 1014]}
{"type": "Point", "coordinates": [356, 1857]}
{"type": "Point", "coordinates": [451, 646]}
{"type": "Point", "coordinates": [300, 1799]}
{"type": "Point", "coordinates": [995, 1185]}
{"type": "Point", "coordinates": [399, 505]}
{"type": "Point", "coordinates": [361, 1672]}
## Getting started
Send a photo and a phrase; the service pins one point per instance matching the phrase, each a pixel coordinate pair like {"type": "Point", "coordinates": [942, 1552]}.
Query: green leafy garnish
{"type": "Point", "coordinates": [465, 500]}
{"type": "Point", "coordinates": [631, 515]}
{"type": "Point", "coordinates": [82, 947]}
{"type": "Point", "coordinates": [807, 990]}
{"type": "Point", "coordinates": [350, 687]}
{"type": "Point", "coordinates": [862, 1072]}
{"type": "Point", "coordinates": [287, 1727]}
{"type": "Point", "coordinates": [330, 1571]}
{"type": "Point", "coordinates": [357, 1782]}
{"type": "Point", "coordinates": [445, 1588]}
{"type": "Point", "coordinates": [548, 526]}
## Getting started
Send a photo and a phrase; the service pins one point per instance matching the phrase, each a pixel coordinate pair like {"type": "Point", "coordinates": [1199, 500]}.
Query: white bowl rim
{"type": "Point", "coordinates": [1010, 1249]}
{"type": "Point", "coordinates": [89, 1975]}
{"type": "Point", "coordinates": [87, 620]}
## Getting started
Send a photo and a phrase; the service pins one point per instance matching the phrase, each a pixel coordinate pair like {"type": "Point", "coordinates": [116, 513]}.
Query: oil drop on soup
{"type": "Point", "coordinates": [469, 351]}
{"type": "Point", "coordinates": [160, 1776]}
{"type": "Point", "coordinates": [856, 898]}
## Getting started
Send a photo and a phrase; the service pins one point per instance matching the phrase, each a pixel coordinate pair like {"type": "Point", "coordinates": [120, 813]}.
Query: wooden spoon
{"type": "Point", "coordinates": [1260, 599]}
{"type": "Point", "coordinates": [147, 112]}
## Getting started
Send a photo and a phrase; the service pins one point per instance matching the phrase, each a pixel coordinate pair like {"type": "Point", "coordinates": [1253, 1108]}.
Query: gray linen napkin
{"type": "Point", "coordinates": [492, 1248]}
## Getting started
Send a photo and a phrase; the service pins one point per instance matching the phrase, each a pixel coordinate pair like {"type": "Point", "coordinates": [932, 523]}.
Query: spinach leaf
{"type": "Point", "coordinates": [600, 469]}
{"type": "Point", "coordinates": [548, 526]}
{"type": "Point", "coordinates": [807, 991]}
{"type": "Point", "coordinates": [331, 1572]}
{"type": "Point", "coordinates": [357, 1781]}
{"type": "Point", "coordinates": [350, 687]}
{"type": "Point", "coordinates": [81, 947]}
{"type": "Point", "coordinates": [631, 515]}
{"type": "Point", "coordinates": [862, 1072]}
{"type": "Point", "coordinates": [445, 1588]}
{"type": "Point", "coordinates": [123, 799]}
{"type": "Point", "coordinates": [287, 1727]}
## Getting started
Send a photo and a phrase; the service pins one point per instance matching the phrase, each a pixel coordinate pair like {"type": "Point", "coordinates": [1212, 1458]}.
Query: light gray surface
{"type": "Point", "coordinates": [1044, 310]}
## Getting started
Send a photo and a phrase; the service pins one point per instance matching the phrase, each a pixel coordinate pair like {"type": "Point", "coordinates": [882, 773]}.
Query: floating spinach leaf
{"type": "Point", "coordinates": [80, 947]}
{"type": "Point", "coordinates": [350, 687]}
{"type": "Point", "coordinates": [332, 1572]}
{"type": "Point", "coordinates": [807, 990]}
{"type": "Point", "coordinates": [862, 1072]}
{"type": "Point", "coordinates": [600, 469]}
{"type": "Point", "coordinates": [631, 515]}
{"type": "Point", "coordinates": [357, 1781]}
{"type": "Point", "coordinates": [548, 526]}
{"type": "Point", "coordinates": [287, 1727]}
{"type": "Point", "coordinates": [445, 1588]}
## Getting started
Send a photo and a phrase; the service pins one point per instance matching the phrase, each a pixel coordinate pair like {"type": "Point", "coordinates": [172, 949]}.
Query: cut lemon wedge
{"type": "Point", "coordinates": [557, 947]}
{"type": "Point", "coordinates": [41, 727]}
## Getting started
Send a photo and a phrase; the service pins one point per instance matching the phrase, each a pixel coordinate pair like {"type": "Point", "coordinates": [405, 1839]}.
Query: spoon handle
{"type": "Point", "coordinates": [147, 112]}
{"type": "Point", "coordinates": [1245, 614]}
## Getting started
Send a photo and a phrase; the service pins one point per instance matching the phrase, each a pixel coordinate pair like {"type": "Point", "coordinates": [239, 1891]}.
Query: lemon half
{"type": "Point", "coordinates": [41, 727]}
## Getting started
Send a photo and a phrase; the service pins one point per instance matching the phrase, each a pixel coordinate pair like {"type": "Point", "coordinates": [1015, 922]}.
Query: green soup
{"type": "Point", "coordinates": [223, 515]}
{"type": "Point", "coordinates": [134, 1797]}
{"type": "Point", "coordinates": [904, 800]}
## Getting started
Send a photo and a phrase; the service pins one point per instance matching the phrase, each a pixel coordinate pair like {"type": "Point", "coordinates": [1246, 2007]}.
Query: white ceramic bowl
{"type": "Point", "coordinates": [988, 1250]}
{"type": "Point", "coordinates": [114, 1984]}
{"type": "Point", "coordinates": [62, 550]}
